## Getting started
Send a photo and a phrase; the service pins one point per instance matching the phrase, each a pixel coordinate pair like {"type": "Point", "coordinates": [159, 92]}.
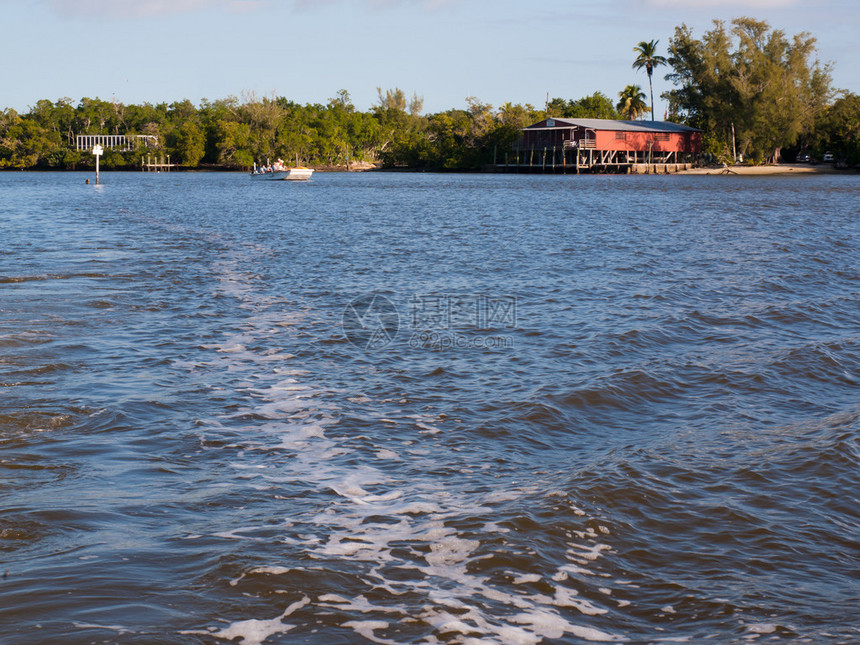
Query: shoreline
{"type": "Point", "coordinates": [771, 169]}
{"type": "Point", "coordinates": [748, 171]}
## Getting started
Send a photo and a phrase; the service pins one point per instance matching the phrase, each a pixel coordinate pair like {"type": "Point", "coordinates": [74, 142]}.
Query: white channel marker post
{"type": "Point", "coordinates": [97, 151]}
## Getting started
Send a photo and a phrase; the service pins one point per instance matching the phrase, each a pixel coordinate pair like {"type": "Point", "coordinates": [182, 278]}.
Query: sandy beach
{"type": "Point", "coordinates": [770, 169]}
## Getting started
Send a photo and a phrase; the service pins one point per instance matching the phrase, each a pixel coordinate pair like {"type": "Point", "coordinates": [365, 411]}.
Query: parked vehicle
{"type": "Point", "coordinates": [827, 158]}
{"type": "Point", "coordinates": [803, 157]}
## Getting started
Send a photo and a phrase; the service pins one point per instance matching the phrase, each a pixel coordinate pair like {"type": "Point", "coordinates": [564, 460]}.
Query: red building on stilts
{"type": "Point", "coordinates": [602, 144]}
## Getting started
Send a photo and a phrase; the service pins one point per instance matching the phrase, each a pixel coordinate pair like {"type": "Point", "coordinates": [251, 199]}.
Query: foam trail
{"type": "Point", "coordinates": [399, 531]}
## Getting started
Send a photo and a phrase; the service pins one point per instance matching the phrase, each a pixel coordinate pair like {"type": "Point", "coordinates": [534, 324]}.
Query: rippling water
{"type": "Point", "coordinates": [409, 408]}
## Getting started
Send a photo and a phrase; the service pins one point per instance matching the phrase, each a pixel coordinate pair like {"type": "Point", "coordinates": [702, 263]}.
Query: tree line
{"type": "Point", "coordinates": [755, 92]}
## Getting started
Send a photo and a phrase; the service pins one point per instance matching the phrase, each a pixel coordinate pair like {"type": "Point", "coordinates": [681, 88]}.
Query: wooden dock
{"type": "Point", "coordinates": [156, 165]}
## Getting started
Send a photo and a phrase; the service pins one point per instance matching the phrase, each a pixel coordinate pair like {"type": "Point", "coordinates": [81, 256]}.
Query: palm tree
{"type": "Point", "coordinates": [632, 102]}
{"type": "Point", "coordinates": [647, 57]}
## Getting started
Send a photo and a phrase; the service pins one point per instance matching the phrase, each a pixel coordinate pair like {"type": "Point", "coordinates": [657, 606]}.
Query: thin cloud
{"type": "Point", "coordinates": [701, 4]}
{"type": "Point", "coordinates": [304, 5]}
{"type": "Point", "coordinates": [132, 9]}
{"type": "Point", "coordinates": [121, 9]}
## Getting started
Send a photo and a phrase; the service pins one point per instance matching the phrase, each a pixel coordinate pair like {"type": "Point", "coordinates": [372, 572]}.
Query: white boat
{"type": "Point", "coordinates": [299, 173]}
{"type": "Point", "coordinates": [278, 170]}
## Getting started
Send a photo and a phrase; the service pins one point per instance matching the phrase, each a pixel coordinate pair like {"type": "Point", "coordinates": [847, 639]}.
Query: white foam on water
{"type": "Point", "coordinates": [353, 549]}
{"type": "Point", "coordinates": [762, 628]}
{"type": "Point", "coordinates": [566, 597]}
{"type": "Point", "coordinates": [390, 585]}
{"type": "Point", "coordinates": [450, 551]}
{"type": "Point", "coordinates": [493, 528]}
{"type": "Point", "coordinates": [359, 604]}
{"type": "Point", "coordinates": [548, 624]}
{"type": "Point", "coordinates": [447, 560]}
{"type": "Point", "coordinates": [233, 534]}
{"type": "Point", "coordinates": [541, 624]}
{"type": "Point", "coordinates": [388, 454]}
{"type": "Point", "coordinates": [565, 570]}
{"type": "Point", "coordinates": [111, 628]}
{"type": "Point", "coordinates": [386, 497]}
{"type": "Point", "coordinates": [290, 372]}
{"type": "Point", "coordinates": [232, 348]}
{"type": "Point", "coordinates": [366, 628]}
{"type": "Point", "coordinates": [582, 554]}
{"type": "Point", "coordinates": [526, 578]}
{"type": "Point", "coordinates": [416, 542]}
{"type": "Point", "coordinates": [503, 496]}
{"type": "Point", "coordinates": [253, 631]}
{"type": "Point", "coordinates": [258, 570]}
{"type": "Point", "coordinates": [444, 622]}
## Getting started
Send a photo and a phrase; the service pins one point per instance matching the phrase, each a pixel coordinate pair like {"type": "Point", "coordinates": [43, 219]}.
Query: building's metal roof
{"type": "Point", "coordinates": [617, 126]}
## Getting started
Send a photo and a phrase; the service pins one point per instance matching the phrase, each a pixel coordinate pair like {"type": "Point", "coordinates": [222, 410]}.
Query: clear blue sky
{"type": "Point", "coordinates": [156, 51]}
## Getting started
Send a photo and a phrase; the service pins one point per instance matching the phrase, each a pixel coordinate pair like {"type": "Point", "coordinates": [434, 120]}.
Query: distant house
{"type": "Point", "coordinates": [585, 143]}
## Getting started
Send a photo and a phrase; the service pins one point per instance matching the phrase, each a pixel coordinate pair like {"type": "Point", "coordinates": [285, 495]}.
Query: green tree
{"type": "Point", "coordinates": [342, 100]}
{"type": "Point", "coordinates": [450, 141]}
{"type": "Point", "coordinates": [632, 102]}
{"type": "Point", "coordinates": [765, 88]}
{"type": "Point", "coordinates": [364, 136]}
{"type": "Point", "coordinates": [556, 107]}
{"type": "Point", "coordinates": [26, 144]}
{"type": "Point", "coordinates": [398, 129]}
{"type": "Point", "coordinates": [58, 117]}
{"type": "Point", "coordinates": [233, 143]}
{"type": "Point", "coordinates": [647, 58]}
{"type": "Point", "coordinates": [416, 105]}
{"type": "Point", "coordinates": [838, 129]}
{"type": "Point", "coordinates": [779, 93]}
{"type": "Point", "coordinates": [213, 116]}
{"type": "Point", "coordinates": [595, 106]}
{"type": "Point", "coordinates": [392, 99]}
{"type": "Point", "coordinates": [190, 143]}
{"type": "Point", "coordinates": [94, 116]}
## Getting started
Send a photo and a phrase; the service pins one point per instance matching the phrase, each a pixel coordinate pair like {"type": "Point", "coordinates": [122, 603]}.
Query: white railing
{"type": "Point", "coordinates": [123, 142]}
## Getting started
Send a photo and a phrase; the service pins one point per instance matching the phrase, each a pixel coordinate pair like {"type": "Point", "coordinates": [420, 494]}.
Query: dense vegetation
{"type": "Point", "coordinates": [755, 92]}
{"type": "Point", "coordinates": [231, 133]}
{"type": "Point", "coordinates": [751, 89]}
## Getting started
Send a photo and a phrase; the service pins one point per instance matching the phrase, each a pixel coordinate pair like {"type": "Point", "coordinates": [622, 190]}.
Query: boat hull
{"type": "Point", "coordinates": [278, 174]}
{"type": "Point", "coordinates": [299, 174]}
{"type": "Point", "coordinates": [291, 174]}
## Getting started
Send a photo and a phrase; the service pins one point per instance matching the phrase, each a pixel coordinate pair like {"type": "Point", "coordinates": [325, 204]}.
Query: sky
{"type": "Point", "coordinates": [137, 51]}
